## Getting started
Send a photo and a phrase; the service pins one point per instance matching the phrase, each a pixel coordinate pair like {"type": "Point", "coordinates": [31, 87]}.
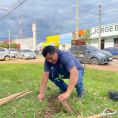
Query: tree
{"type": "Point", "coordinates": [6, 45]}
{"type": "Point", "coordinates": [87, 36]}
{"type": "Point", "coordinates": [1, 45]}
{"type": "Point", "coordinates": [13, 45]}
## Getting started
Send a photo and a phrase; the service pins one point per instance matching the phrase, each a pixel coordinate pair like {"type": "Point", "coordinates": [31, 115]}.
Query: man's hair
{"type": "Point", "coordinates": [48, 49]}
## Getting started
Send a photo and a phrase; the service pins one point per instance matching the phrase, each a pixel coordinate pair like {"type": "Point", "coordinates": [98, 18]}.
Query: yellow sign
{"type": "Point", "coordinates": [51, 43]}
{"type": "Point", "coordinates": [54, 38]}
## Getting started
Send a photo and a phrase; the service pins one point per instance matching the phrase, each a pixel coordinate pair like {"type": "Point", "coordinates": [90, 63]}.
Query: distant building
{"type": "Point", "coordinates": [24, 43]}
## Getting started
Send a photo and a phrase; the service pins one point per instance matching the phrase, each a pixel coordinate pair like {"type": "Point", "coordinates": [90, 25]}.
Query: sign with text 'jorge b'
{"type": "Point", "coordinates": [108, 30]}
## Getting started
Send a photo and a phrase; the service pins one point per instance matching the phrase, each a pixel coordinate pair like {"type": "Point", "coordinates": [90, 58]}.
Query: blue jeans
{"type": "Point", "coordinates": [62, 85]}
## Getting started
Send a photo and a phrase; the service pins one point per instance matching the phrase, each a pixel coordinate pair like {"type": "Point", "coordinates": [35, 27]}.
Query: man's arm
{"type": "Point", "coordinates": [44, 80]}
{"type": "Point", "coordinates": [73, 79]}
{"type": "Point", "coordinates": [72, 83]}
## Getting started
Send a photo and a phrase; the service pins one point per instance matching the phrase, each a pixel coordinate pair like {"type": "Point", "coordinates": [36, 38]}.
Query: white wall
{"type": "Point", "coordinates": [94, 42]}
{"type": "Point", "coordinates": [67, 46]}
{"type": "Point", "coordinates": [109, 42]}
{"type": "Point", "coordinates": [60, 47]}
{"type": "Point", "coordinates": [25, 42]}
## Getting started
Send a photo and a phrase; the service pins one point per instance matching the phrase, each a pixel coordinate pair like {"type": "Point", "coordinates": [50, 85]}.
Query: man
{"type": "Point", "coordinates": [64, 63]}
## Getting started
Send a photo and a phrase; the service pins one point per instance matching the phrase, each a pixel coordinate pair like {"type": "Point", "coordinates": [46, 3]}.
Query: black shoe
{"type": "Point", "coordinates": [81, 95]}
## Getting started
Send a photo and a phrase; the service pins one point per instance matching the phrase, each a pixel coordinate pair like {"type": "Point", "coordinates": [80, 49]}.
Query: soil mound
{"type": "Point", "coordinates": [55, 107]}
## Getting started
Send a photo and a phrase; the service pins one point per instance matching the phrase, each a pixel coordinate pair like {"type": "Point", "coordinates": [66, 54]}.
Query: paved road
{"type": "Point", "coordinates": [112, 66]}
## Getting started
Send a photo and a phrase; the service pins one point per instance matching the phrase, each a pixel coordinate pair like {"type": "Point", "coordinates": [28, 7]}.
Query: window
{"type": "Point", "coordinates": [115, 49]}
{"type": "Point", "coordinates": [2, 50]}
{"type": "Point", "coordinates": [107, 49]}
{"type": "Point", "coordinates": [13, 50]}
{"type": "Point", "coordinates": [27, 51]}
{"type": "Point", "coordinates": [19, 50]}
{"type": "Point", "coordinates": [75, 47]}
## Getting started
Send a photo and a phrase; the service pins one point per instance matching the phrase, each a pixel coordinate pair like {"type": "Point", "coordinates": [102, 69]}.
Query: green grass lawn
{"type": "Point", "coordinates": [15, 78]}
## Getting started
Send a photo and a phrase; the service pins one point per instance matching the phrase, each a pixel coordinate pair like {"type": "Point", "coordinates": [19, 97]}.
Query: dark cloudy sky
{"type": "Point", "coordinates": [53, 17]}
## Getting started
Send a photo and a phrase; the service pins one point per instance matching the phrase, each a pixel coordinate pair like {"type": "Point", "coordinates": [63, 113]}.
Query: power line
{"type": "Point", "coordinates": [11, 10]}
{"type": "Point", "coordinates": [38, 21]}
{"type": "Point", "coordinates": [110, 12]}
{"type": "Point", "coordinates": [10, 6]}
{"type": "Point", "coordinates": [4, 3]}
{"type": "Point", "coordinates": [85, 18]}
{"type": "Point", "coordinates": [80, 20]}
{"type": "Point", "coordinates": [21, 7]}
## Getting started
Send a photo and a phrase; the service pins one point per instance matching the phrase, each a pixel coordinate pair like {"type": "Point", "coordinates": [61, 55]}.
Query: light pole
{"type": "Point", "coordinates": [99, 44]}
{"type": "Point", "coordinates": [77, 26]}
{"type": "Point", "coordinates": [3, 9]}
{"type": "Point", "coordinates": [9, 40]}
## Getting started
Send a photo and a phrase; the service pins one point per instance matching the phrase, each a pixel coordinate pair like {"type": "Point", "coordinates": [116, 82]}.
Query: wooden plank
{"type": "Point", "coordinates": [13, 97]}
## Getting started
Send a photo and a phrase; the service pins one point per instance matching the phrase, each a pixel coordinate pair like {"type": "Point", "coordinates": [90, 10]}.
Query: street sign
{"type": "Point", "coordinates": [78, 42]}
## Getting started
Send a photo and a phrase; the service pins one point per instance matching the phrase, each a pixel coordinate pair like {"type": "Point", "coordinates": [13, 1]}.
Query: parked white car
{"type": "Point", "coordinates": [25, 54]}
{"type": "Point", "coordinates": [38, 52]}
{"type": "Point", "coordinates": [4, 54]}
{"type": "Point", "coordinates": [12, 52]}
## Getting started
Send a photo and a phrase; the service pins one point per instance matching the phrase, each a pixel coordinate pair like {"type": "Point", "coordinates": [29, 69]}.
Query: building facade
{"type": "Point", "coordinates": [65, 39]}
{"type": "Point", "coordinates": [109, 36]}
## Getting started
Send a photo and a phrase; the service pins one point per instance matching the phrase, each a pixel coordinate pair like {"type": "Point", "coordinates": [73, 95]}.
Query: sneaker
{"type": "Point", "coordinates": [81, 95]}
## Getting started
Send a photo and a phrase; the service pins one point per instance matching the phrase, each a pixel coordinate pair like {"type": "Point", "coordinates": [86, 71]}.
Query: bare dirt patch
{"type": "Point", "coordinates": [39, 59]}
{"type": "Point", "coordinates": [55, 107]}
{"type": "Point", "coordinates": [108, 67]}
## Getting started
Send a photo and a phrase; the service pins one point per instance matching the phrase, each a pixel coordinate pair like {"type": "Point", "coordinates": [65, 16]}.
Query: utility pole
{"type": "Point", "coordinates": [3, 9]}
{"type": "Point", "coordinates": [9, 40]}
{"type": "Point", "coordinates": [20, 26]}
{"type": "Point", "coordinates": [99, 44]}
{"type": "Point", "coordinates": [77, 26]}
{"type": "Point", "coordinates": [34, 35]}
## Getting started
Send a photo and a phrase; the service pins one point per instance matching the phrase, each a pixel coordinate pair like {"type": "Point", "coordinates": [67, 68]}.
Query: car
{"type": "Point", "coordinates": [113, 51]}
{"type": "Point", "coordinates": [25, 54]}
{"type": "Point", "coordinates": [38, 52]}
{"type": "Point", "coordinates": [12, 52]}
{"type": "Point", "coordinates": [4, 54]}
{"type": "Point", "coordinates": [93, 55]}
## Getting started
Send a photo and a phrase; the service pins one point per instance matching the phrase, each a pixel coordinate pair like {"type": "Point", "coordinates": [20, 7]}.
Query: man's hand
{"type": "Point", "coordinates": [41, 97]}
{"type": "Point", "coordinates": [63, 96]}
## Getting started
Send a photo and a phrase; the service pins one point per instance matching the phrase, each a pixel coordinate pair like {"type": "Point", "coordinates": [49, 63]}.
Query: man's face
{"type": "Point", "coordinates": [52, 58]}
